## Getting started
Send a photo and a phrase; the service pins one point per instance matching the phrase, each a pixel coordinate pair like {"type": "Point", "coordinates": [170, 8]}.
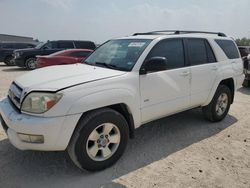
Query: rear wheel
{"type": "Point", "coordinates": [219, 106]}
{"type": "Point", "coordinates": [99, 140]}
{"type": "Point", "coordinates": [9, 61]}
{"type": "Point", "coordinates": [30, 63]}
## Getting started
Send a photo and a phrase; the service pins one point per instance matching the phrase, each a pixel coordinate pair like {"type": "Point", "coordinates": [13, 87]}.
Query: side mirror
{"type": "Point", "coordinates": [154, 64]}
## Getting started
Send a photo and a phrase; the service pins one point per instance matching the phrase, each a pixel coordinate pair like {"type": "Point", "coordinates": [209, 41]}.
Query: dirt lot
{"type": "Point", "coordinates": [183, 150]}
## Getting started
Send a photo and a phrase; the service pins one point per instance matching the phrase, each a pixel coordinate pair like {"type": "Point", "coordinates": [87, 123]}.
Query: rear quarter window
{"type": "Point", "coordinates": [85, 45]}
{"type": "Point", "coordinates": [80, 54]}
{"type": "Point", "coordinates": [229, 48]}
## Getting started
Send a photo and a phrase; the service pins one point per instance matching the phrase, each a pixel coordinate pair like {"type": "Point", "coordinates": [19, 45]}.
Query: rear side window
{"type": "Point", "coordinates": [210, 54]}
{"type": "Point", "coordinates": [65, 45]}
{"type": "Point", "coordinates": [80, 54]}
{"type": "Point", "coordinates": [200, 52]}
{"type": "Point", "coordinates": [229, 48]}
{"type": "Point", "coordinates": [85, 45]}
{"type": "Point", "coordinates": [172, 50]}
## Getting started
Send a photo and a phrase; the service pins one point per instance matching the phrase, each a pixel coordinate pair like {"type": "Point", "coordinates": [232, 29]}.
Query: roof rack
{"type": "Point", "coordinates": [176, 32]}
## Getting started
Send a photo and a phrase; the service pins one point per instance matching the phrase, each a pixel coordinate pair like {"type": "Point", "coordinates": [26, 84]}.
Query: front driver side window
{"type": "Point", "coordinates": [172, 50]}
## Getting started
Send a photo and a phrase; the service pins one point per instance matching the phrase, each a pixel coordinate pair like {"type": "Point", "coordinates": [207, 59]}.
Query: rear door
{"type": "Point", "coordinates": [204, 68]}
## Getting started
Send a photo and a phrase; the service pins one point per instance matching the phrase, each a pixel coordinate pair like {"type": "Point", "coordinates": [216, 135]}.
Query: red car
{"type": "Point", "coordinates": [64, 57]}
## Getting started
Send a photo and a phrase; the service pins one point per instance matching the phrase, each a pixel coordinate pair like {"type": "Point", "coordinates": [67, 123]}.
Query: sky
{"type": "Point", "coordinates": [101, 20]}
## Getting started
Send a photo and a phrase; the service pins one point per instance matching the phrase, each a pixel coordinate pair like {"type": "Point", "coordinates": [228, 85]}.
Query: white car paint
{"type": "Point", "coordinates": [84, 87]}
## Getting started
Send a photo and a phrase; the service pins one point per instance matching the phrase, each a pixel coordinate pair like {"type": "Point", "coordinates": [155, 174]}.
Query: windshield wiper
{"type": "Point", "coordinates": [106, 65]}
{"type": "Point", "coordinates": [110, 66]}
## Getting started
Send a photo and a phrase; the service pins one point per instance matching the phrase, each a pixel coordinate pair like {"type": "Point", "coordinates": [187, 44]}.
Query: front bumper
{"type": "Point", "coordinates": [56, 131]}
{"type": "Point", "coordinates": [19, 62]}
{"type": "Point", "coordinates": [1, 58]}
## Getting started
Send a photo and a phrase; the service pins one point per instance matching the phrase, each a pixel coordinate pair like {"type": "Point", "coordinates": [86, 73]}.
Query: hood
{"type": "Point", "coordinates": [26, 50]}
{"type": "Point", "coordinates": [59, 77]}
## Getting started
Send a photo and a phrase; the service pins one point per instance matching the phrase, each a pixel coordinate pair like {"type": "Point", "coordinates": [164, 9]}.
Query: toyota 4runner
{"type": "Point", "coordinates": [92, 109]}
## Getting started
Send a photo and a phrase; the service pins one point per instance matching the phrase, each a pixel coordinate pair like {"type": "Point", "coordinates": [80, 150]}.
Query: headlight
{"type": "Point", "coordinates": [18, 54]}
{"type": "Point", "coordinates": [40, 102]}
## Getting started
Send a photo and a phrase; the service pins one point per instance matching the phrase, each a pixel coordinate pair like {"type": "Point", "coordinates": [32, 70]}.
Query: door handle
{"type": "Point", "coordinates": [185, 73]}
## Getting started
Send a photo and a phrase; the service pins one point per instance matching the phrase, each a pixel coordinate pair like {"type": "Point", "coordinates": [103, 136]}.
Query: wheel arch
{"type": "Point", "coordinates": [229, 82]}
{"type": "Point", "coordinates": [123, 109]}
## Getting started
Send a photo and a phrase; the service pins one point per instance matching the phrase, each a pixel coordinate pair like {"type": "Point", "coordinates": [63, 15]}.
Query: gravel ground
{"type": "Point", "coordinates": [183, 150]}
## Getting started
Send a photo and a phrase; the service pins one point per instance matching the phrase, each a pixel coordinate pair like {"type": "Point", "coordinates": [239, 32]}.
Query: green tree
{"type": "Point", "coordinates": [243, 42]}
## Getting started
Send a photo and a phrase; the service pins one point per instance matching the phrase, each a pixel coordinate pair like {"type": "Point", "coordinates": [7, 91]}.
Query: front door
{"type": "Point", "coordinates": [166, 91]}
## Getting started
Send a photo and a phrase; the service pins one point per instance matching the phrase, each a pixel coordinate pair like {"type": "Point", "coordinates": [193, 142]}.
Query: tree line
{"type": "Point", "coordinates": [243, 42]}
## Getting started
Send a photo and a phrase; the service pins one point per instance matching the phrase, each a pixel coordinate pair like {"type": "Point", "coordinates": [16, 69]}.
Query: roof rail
{"type": "Point", "coordinates": [176, 32]}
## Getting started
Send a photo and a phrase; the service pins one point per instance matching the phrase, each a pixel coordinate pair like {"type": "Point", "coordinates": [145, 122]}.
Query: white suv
{"type": "Point", "coordinates": [92, 109]}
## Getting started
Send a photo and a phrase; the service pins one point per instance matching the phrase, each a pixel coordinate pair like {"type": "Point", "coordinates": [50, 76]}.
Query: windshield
{"type": "Point", "coordinates": [120, 54]}
{"type": "Point", "coordinates": [39, 45]}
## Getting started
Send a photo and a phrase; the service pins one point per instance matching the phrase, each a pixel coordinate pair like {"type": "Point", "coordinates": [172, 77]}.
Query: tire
{"type": "Point", "coordinates": [81, 146]}
{"type": "Point", "coordinates": [217, 110]}
{"type": "Point", "coordinates": [30, 63]}
{"type": "Point", "coordinates": [9, 61]}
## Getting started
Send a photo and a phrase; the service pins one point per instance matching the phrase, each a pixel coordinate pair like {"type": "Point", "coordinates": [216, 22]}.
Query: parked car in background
{"type": "Point", "coordinates": [64, 57]}
{"type": "Point", "coordinates": [244, 50]}
{"type": "Point", "coordinates": [7, 49]}
{"type": "Point", "coordinates": [91, 109]}
{"type": "Point", "coordinates": [246, 61]}
{"type": "Point", "coordinates": [27, 58]}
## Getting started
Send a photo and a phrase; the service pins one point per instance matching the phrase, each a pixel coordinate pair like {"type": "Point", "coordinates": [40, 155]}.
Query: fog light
{"type": "Point", "coordinates": [38, 139]}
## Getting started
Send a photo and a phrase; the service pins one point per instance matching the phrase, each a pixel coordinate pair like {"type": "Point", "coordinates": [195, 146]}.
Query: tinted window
{"type": "Point", "coordinates": [200, 52]}
{"type": "Point", "coordinates": [85, 45]}
{"type": "Point", "coordinates": [229, 48]}
{"type": "Point", "coordinates": [210, 54]}
{"type": "Point", "coordinates": [65, 45]}
{"type": "Point", "coordinates": [79, 54]}
{"type": "Point", "coordinates": [197, 51]}
{"type": "Point", "coordinates": [172, 50]}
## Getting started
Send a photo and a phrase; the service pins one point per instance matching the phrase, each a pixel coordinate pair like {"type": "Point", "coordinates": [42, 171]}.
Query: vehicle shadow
{"type": "Point", "coordinates": [152, 142]}
{"type": "Point", "coordinates": [14, 69]}
{"type": "Point", "coordinates": [244, 90]}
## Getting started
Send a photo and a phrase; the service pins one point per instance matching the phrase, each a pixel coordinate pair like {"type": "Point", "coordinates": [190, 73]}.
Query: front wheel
{"type": "Point", "coordinates": [99, 140]}
{"type": "Point", "coordinates": [219, 106]}
{"type": "Point", "coordinates": [30, 63]}
{"type": "Point", "coordinates": [9, 61]}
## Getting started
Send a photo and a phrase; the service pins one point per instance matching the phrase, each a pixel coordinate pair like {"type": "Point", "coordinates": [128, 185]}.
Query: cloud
{"type": "Point", "coordinates": [65, 4]}
{"type": "Point", "coordinates": [102, 20]}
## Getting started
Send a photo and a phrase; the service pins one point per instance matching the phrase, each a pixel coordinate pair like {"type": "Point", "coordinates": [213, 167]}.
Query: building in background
{"type": "Point", "coordinates": [15, 38]}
